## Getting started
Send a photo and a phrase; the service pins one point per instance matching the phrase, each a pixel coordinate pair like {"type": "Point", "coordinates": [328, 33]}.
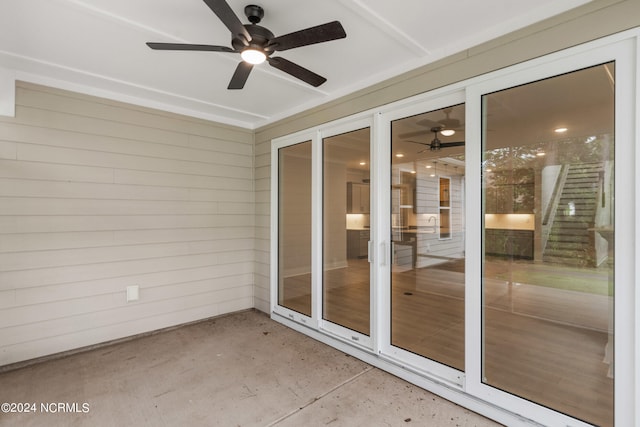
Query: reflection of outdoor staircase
{"type": "Point", "coordinates": [570, 242]}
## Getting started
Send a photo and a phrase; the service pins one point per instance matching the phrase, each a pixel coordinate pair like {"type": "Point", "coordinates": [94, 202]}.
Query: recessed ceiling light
{"type": "Point", "coordinates": [540, 153]}
{"type": "Point", "coordinates": [447, 132]}
{"type": "Point", "coordinates": [363, 163]}
{"type": "Point", "coordinates": [560, 130]}
{"type": "Point", "coordinates": [489, 170]}
{"type": "Point", "coordinates": [413, 171]}
{"type": "Point", "coordinates": [428, 166]}
{"type": "Point", "coordinates": [399, 155]}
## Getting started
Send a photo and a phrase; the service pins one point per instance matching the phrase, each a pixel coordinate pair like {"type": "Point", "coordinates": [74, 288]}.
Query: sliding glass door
{"type": "Point", "coordinates": [294, 238]}
{"type": "Point", "coordinates": [553, 285]}
{"type": "Point", "coordinates": [428, 235]}
{"type": "Point", "coordinates": [346, 207]}
{"type": "Point", "coordinates": [549, 228]}
{"type": "Point", "coordinates": [478, 240]}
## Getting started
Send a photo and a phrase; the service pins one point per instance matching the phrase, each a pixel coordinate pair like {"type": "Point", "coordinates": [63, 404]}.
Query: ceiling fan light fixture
{"type": "Point", "coordinates": [253, 56]}
{"type": "Point", "coordinates": [447, 132]}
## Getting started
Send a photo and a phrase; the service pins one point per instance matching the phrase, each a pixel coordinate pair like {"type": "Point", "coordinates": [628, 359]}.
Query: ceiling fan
{"type": "Point", "coordinates": [436, 144]}
{"type": "Point", "coordinates": [256, 44]}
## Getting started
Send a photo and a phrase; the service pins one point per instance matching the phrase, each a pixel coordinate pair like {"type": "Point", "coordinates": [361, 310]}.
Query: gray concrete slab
{"type": "Point", "coordinates": [238, 370]}
{"type": "Point", "coordinates": [376, 398]}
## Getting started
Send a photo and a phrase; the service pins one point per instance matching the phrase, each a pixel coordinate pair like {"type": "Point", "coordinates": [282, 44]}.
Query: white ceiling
{"type": "Point", "coordinates": [98, 47]}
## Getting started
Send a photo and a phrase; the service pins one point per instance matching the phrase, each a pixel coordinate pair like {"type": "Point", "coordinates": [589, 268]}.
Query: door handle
{"type": "Point", "coordinates": [393, 250]}
{"type": "Point", "coordinates": [369, 254]}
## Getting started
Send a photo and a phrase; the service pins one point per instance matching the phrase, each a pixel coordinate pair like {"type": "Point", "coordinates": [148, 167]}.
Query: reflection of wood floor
{"type": "Point", "coordinates": [543, 344]}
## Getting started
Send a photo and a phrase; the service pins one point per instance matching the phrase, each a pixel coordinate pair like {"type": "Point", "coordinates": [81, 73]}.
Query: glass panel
{"type": "Point", "coordinates": [346, 211]}
{"type": "Point", "coordinates": [548, 242]}
{"type": "Point", "coordinates": [294, 228]}
{"type": "Point", "coordinates": [427, 231]}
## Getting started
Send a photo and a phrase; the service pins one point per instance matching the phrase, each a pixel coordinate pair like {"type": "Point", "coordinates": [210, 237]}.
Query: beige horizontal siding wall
{"type": "Point", "coordinates": [591, 21]}
{"type": "Point", "coordinates": [96, 196]}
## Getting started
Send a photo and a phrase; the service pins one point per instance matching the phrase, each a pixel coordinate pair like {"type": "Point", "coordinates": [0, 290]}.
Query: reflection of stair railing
{"type": "Point", "coordinates": [603, 216]}
{"type": "Point", "coordinates": [552, 207]}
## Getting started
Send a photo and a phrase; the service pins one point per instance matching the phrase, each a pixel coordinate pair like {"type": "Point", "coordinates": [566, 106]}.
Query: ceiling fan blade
{"type": "Point", "coordinates": [415, 133]}
{"type": "Point", "coordinates": [183, 46]}
{"type": "Point", "coordinates": [428, 123]}
{"type": "Point", "coordinates": [296, 71]}
{"type": "Point", "coordinates": [452, 144]}
{"type": "Point", "coordinates": [240, 76]}
{"type": "Point", "coordinates": [426, 144]}
{"type": "Point", "coordinates": [319, 34]}
{"type": "Point", "coordinates": [418, 142]}
{"type": "Point", "coordinates": [222, 9]}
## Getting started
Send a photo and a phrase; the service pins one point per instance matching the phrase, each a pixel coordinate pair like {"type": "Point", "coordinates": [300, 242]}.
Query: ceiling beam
{"type": "Point", "coordinates": [366, 12]}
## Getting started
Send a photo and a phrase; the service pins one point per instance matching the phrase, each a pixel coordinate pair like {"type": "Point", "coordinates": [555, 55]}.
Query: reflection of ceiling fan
{"type": "Point", "coordinates": [256, 44]}
{"type": "Point", "coordinates": [446, 123]}
{"type": "Point", "coordinates": [436, 144]}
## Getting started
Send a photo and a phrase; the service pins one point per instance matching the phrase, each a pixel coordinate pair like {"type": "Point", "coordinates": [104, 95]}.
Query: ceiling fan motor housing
{"type": "Point", "coordinates": [260, 36]}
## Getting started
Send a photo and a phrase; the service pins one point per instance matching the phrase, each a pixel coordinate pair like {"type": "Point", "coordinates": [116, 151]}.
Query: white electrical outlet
{"type": "Point", "coordinates": [133, 293]}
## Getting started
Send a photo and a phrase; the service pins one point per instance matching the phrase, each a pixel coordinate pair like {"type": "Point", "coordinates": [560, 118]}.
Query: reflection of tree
{"type": "Point", "coordinates": [590, 149]}
{"type": "Point", "coordinates": [513, 168]}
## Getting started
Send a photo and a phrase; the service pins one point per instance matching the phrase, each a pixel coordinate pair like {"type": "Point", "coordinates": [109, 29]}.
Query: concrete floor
{"type": "Point", "coordinates": [238, 370]}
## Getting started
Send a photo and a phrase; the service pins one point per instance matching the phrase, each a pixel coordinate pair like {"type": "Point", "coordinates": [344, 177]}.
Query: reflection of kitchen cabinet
{"type": "Point", "coordinates": [510, 193]}
{"type": "Point", "coordinates": [357, 243]}
{"type": "Point", "coordinates": [357, 198]}
{"type": "Point", "coordinates": [523, 198]}
{"type": "Point", "coordinates": [499, 199]}
{"type": "Point", "coordinates": [510, 243]}
{"type": "Point", "coordinates": [510, 198]}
